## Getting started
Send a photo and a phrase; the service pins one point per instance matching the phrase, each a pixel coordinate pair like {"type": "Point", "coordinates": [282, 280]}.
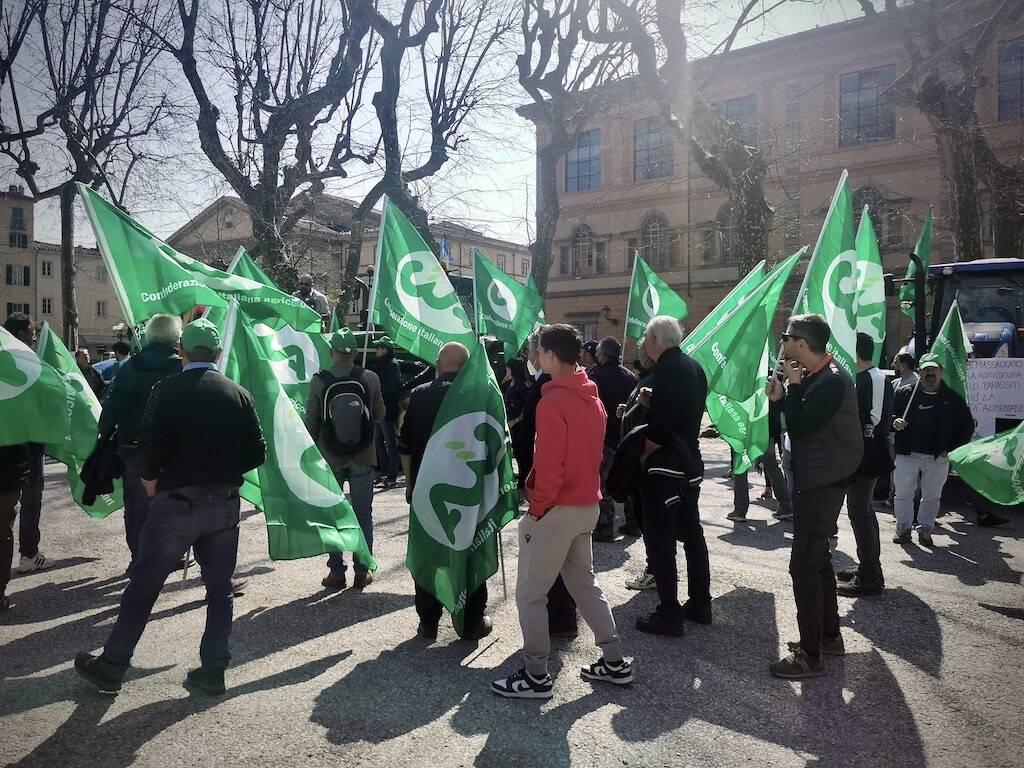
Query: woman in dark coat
{"type": "Point", "coordinates": [516, 389]}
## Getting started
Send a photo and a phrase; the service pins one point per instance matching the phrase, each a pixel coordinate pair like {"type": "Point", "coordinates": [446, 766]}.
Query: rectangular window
{"type": "Point", "coordinates": [101, 309]}
{"type": "Point", "coordinates": [46, 269]}
{"type": "Point", "coordinates": [524, 268]}
{"type": "Point", "coordinates": [866, 114]}
{"type": "Point", "coordinates": [16, 274]}
{"type": "Point", "coordinates": [743, 112]}
{"type": "Point", "coordinates": [601, 266]}
{"type": "Point", "coordinates": [47, 306]}
{"type": "Point", "coordinates": [709, 242]}
{"type": "Point", "coordinates": [13, 307]}
{"type": "Point", "coordinates": [583, 164]}
{"type": "Point", "coordinates": [18, 219]}
{"type": "Point", "coordinates": [17, 240]}
{"type": "Point", "coordinates": [564, 265]}
{"type": "Point", "coordinates": [653, 150]}
{"type": "Point", "coordinates": [502, 262]}
{"type": "Point", "coordinates": [101, 273]}
{"type": "Point", "coordinates": [893, 227]}
{"type": "Point", "coordinates": [1011, 80]}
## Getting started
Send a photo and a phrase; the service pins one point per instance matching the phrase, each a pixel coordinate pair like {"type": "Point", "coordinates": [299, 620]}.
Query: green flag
{"type": "Point", "coordinates": [950, 346]}
{"type": "Point", "coordinates": [743, 424]}
{"type": "Point", "coordinates": [306, 512]}
{"type": "Point", "coordinates": [83, 411]}
{"type": "Point", "coordinates": [869, 300]}
{"type": "Point", "coordinates": [465, 492]}
{"type": "Point", "coordinates": [923, 251]}
{"type": "Point", "coordinates": [294, 354]}
{"type": "Point", "coordinates": [33, 398]}
{"type": "Point", "coordinates": [752, 279]}
{"type": "Point", "coordinates": [145, 278]}
{"type": "Point", "coordinates": [731, 352]}
{"type": "Point", "coordinates": [994, 466]}
{"type": "Point", "coordinates": [412, 297]}
{"type": "Point", "coordinates": [650, 296]}
{"type": "Point", "coordinates": [505, 308]}
{"type": "Point", "coordinates": [830, 283]}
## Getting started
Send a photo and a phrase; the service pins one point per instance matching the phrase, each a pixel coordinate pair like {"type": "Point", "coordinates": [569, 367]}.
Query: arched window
{"type": "Point", "coordinates": [727, 234]}
{"type": "Point", "coordinates": [583, 251]}
{"type": "Point", "coordinates": [654, 245]}
{"type": "Point", "coordinates": [872, 197]}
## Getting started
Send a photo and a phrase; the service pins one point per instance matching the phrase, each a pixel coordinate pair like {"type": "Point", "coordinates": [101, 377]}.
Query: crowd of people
{"type": "Point", "coordinates": [593, 441]}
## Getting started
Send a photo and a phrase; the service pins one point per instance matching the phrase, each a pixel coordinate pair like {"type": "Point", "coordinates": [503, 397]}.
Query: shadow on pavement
{"type": "Point", "coordinates": [722, 678]}
{"type": "Point", "coordinates": [52, 600]}
{"type": "Point", "coordinates": [974, 555]}
{"type": "Point", "coordinates": [85, 738]}
{"type": "Point", "coordinates": [64, 562]}
{"type": "Point", "coordinates": [901, 623]}
{"type": "Point", "coordinates": [764, 535]}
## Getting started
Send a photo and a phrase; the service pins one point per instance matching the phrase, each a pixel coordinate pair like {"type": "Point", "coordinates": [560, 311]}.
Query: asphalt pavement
{"type": "Point", "coordinates": [933, 676]}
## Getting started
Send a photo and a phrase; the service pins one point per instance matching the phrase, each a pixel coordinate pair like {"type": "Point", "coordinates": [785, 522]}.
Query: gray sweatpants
{"type": "Point", "coordinates": [560, 543]}
{"type": "Point", "coordinates": [930, 473]}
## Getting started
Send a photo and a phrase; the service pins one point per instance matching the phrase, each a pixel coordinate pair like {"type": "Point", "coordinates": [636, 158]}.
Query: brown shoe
{"type": "Point", "coordinates": [330, 582]}
{"type": "Point", "coordinates": [363, 580]}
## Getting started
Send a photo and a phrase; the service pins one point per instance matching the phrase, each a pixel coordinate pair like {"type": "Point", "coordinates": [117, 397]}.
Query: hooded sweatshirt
{"type": "Point", "coordinates": [566, 467]}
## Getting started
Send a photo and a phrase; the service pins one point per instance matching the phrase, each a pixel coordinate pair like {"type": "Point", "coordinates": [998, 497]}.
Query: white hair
{"type": "Point", "coordinates": [665, 330]}
{"type": "Point", "coordinates": [163, 329]}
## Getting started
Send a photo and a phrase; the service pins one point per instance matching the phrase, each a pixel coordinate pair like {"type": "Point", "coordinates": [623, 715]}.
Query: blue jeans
{"type": "Point", "coordinates": [360, 496]}
{"type": "Point", "coordinates": [136, 502]}
{"type": "Point", "coordinates": [387, 448]}
{"type": "Point", "coordinates": [31, 504]}
{"type": "Point", "coordinates": [204, 517]}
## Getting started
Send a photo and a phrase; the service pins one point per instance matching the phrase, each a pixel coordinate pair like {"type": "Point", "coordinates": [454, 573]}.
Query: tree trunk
{"type": "Point", "coordinates": [67, 265]}
{"type": "Point", "coordinates": [962, 189]}
{"type": "Point", "coordinates": [541, 249]}
{"type": "Point", "coordinates": [272, 251]}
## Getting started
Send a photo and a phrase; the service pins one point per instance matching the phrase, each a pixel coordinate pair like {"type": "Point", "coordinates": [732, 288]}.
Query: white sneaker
{"type": "Point", "coordinates": [30, 564]}
{"type": "Point", "coordinates": [642, 582]}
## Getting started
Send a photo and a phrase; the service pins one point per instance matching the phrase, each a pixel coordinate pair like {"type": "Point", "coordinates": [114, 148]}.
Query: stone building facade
{"type": "Point", "coordinates": [815, 103]}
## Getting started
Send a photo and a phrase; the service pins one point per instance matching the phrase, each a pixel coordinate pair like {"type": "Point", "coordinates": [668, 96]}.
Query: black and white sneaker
{"type": "Point", "coordinates": [619, 673]}
{"type": "Point", "coordinates": [523, 685]}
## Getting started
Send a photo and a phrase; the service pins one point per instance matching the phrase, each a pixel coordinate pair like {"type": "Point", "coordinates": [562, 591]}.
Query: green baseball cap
{"type": "Point", "coordinates": [343, 341]}
{"type": "Point", "coordinates": [929, 361]}
{"type": "Point", "coordinates": [200, 333]}
{"type": "Point", "coordinates": [384, 342]}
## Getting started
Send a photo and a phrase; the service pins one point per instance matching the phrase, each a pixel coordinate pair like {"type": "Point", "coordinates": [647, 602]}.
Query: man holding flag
{"type": "Point", "coordinates": [425, 403]}
{"type": "Point", "coordinates": [199, 436]}
{"type": "Point", "coordinates": [932, 420]}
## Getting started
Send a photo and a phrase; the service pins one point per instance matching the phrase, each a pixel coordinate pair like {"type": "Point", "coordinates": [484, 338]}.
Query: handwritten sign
{"type": "Point", "coordinates": [996, 387]}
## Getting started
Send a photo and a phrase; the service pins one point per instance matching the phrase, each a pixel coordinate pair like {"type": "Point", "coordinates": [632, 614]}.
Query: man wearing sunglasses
{"type": "Point", "coordinates": [820, 408]}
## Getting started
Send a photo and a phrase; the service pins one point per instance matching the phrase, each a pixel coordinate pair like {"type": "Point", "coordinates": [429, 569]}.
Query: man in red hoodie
{"type": "Point", "coordinates": [564, 489]}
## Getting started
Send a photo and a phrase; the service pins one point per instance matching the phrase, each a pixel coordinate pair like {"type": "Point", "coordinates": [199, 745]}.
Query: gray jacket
{"type": "Point", "coordinates": [314, 415]}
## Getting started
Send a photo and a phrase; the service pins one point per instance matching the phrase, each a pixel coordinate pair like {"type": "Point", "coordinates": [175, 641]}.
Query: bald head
{"type": "Point", "coordinates": [452, 357]}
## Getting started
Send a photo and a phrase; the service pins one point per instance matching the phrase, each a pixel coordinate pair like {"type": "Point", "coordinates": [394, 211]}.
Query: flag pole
{"type": "Point", "coordinates": [376, 277]}
{"type": "Point", "coordinates": [629, 299]}
{"type": "Point", "coordinates": [501, 557]}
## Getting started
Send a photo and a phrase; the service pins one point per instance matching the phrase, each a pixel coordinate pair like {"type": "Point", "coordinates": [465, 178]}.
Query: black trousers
{"type": "Point", "coordinates": [429, 608]}
{"type": "Point", "coordinates": [671, 512]}
{"type": "Point", "coordinates": [561, 607]}
{"type": "Point", "coordinates": [864, 523]}
{"type": "Point", "coordinates": [815, 513]}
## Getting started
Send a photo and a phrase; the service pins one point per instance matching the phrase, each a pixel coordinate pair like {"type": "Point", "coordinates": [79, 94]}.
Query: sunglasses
{"type": "Point", "coordinates": [792, 337]}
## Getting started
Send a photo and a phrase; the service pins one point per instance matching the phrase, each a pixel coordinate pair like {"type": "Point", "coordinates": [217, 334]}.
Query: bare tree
{"type": "Point", "coordinates": [656, 35]}
{"type": "Point", "coordinates": [293, 73]}
{"type": "Point", "coordinates": [450, 48]}
{"type": "Point", "coordinates": [947, 54]}
{"type": "Point", "coordinates": [15, 23]}
{"type": "Point", "coordinates": [88, 122]}
{"type": "Point", "coordinates": [568, 80]}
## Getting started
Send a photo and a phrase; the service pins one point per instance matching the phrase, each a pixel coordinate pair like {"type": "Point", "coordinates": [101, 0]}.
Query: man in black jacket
{"type": "Point", "coordinates": [424, 405]}
{"type": "Point", "coordinates": [199, 435]}
{"type": "Point", "coordinates": [387, 370]}
{"type": "Point", "coordinates": [124, 407]}
{"type": "Point", "coordinates": [676, 397]}
{"type": "Point", "coordinates": [820, 407]}
{"type": "Point", "coordinates": [614, 385]}
{"type": "Point", "coordinates": [13, 477]}
{"type": "Point", "coordinates": [932, 421]}
{"type": "Point", "coordinates": [874, 405]}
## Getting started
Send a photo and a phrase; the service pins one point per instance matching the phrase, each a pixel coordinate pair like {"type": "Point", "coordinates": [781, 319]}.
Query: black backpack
{"type": "Point", "coordinates": [347, 426]}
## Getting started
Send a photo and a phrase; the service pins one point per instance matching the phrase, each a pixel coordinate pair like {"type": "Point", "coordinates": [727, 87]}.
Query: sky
{"type": "Point", "coordinates": [490, 187]}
